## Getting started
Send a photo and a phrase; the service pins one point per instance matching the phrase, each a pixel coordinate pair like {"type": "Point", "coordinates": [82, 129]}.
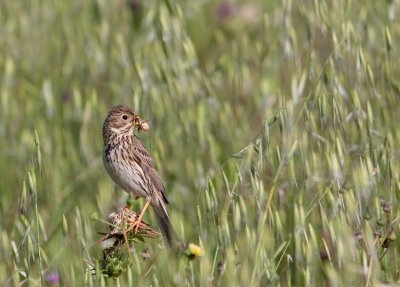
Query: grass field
{"type": "Point", "coordinates": [274, 124]}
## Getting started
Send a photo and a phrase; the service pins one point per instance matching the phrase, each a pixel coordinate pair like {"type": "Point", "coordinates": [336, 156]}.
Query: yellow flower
{"type": "Point", "coordinates": [195, 250]}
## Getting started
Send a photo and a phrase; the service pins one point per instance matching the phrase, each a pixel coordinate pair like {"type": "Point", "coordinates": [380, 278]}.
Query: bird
{"type": "Point", "coordinates": [130, 165]}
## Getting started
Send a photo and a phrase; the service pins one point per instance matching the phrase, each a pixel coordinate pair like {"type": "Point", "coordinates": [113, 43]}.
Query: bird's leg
{"type": "Point", "coordinates": [139, 220]}
{"type": "Point", "coordinates": [136, 224]}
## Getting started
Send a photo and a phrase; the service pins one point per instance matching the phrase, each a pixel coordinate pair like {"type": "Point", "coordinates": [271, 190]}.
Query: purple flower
{"type": "Point", "coordinates": [225, 10]}
{"type": "Point", "coordinates": [52, 278]}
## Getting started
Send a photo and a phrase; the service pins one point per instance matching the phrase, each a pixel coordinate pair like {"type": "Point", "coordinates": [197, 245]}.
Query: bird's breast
{"type": "Point", "coordinates": [123, 171]}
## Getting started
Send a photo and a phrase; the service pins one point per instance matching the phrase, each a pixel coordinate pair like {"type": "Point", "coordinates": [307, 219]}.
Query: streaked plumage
{"type": "Point", "coordinates": [130, 166]}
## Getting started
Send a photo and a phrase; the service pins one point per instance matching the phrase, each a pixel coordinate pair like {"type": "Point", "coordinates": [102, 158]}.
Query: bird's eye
{"type": "Point", "coordinates": [125, 117]}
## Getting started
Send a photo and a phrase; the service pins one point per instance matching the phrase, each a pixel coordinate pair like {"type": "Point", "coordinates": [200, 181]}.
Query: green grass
{"type": "Point", "coordinates": [275, 131]}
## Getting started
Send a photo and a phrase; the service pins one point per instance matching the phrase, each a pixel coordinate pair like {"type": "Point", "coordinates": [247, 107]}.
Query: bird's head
{"type": "Point", "coordinates": [122, 119]}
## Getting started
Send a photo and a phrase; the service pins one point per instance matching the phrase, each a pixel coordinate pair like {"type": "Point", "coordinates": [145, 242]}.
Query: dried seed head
{"type": "Point", "coordinates": [386, 206]}
{"type": "Point", "coordinates": [377, 234]}
{"type": "Point", "coordinates": [122, 220]}
{"type": "Point", "coordinates": [358, 236]}
{"type": "Point", "coordinates": [392, 235]}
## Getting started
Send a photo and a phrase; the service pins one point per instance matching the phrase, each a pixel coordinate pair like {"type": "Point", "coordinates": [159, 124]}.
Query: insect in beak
{"type": "Point", "coordinates": [143, 126]}
{"type": "Point", "coordinates": [140, 124]}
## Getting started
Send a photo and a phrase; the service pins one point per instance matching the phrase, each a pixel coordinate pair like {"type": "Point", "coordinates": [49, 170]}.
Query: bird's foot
{"type": "Point", "coordinates": [135, 225]}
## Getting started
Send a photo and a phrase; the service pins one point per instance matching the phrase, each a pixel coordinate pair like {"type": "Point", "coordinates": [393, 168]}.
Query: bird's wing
{"type": "Point", "coordinates": [146, 163]}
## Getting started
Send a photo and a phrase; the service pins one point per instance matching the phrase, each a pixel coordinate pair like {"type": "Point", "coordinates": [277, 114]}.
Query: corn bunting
{"type": "Point", "coordinates": [131, 167]}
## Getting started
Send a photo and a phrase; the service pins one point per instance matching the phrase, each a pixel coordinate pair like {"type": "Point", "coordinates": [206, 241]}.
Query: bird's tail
{"type": "Point", "coordinates": [164, 222]}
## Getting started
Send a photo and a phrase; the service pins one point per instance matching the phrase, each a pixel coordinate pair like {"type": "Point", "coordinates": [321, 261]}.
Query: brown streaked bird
{"type": "Point", "coordinates": [131, 167]}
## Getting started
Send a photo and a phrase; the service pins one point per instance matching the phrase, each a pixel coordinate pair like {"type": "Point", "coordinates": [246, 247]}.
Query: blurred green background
{"type": "Point", "coordinates": [274, 125]}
